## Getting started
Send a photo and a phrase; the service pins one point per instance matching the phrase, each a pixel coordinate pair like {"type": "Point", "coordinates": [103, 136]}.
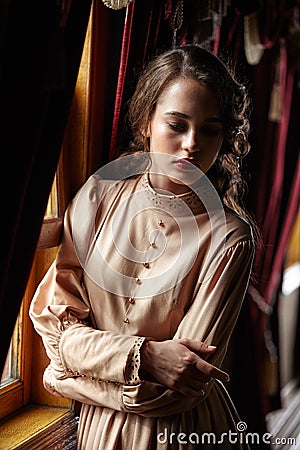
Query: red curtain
{"type": "Point", "coordinates": [277, 198]}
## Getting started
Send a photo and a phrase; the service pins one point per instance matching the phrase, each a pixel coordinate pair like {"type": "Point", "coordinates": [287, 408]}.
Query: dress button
{"type": "Point", "coordinates": [131, 300]}
{"type": "Point", "coordinates": [161, 223]}
{"type": "Point", "coordinates": [126, 320]}
{"type": "Point", "coordinates": [138, 281]}
{"type": "Point", "coordinates": [146, 265]}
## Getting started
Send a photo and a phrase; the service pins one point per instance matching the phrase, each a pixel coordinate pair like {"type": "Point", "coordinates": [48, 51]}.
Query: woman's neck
{"type": "Point", "coordinates": [166, 185]}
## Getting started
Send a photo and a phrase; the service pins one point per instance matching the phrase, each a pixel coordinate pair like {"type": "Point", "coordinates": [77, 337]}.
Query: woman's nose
{"type": "Point", "coordinates": [191, 141]}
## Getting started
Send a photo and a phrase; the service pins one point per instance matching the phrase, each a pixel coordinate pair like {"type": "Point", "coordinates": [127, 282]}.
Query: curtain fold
{"type": "Point", "coordinates": [270, 203]}
{"type": "Point", "coordinates": [41, 46]}
{"type": "Point", "coordinates": [276, 169]}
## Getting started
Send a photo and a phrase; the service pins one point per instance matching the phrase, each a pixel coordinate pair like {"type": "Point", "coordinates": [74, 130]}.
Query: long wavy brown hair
{"type": "Point", "coordinates": [194, 62]}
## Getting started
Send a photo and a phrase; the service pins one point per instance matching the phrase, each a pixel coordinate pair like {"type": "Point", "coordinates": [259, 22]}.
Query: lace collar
{"type": "Point", "coordinates": [181, 204]}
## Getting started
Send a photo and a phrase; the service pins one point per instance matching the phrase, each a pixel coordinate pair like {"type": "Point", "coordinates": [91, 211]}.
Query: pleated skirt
{"type": "Point", "coordinates": [213, 424]}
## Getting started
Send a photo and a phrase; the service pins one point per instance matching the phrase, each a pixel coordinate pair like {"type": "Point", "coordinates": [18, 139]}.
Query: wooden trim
{"type": "Point", "coordinates": [50, 233]}
{"type": "Point", "coordinates": [26, 339]}
{"type": "Point", "coordinates": [11, 398]}
{"type": "Point", "coordinates": [82, 151]}
{"type": "Point", "coordinates": [63, 182]}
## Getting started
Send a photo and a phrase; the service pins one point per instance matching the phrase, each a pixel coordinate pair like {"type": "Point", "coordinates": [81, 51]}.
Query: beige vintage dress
{"type": "Point", "coordinates": [177, 280]}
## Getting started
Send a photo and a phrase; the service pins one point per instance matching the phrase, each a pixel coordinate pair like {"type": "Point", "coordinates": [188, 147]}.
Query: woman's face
{"type": "Point", "coordinates": [185, 132]}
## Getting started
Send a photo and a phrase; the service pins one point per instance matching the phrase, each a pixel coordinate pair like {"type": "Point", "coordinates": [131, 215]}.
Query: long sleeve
{"type": "Point", "coordinates": [211, 319]}
{"type": "Point", "coordinates": [86, 364]}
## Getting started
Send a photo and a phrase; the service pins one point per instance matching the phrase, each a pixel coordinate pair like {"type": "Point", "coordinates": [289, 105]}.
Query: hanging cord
{"type": "Point", "coordinates": [176, 20]}
{"type": "Point", "coordinates": [218, 10]}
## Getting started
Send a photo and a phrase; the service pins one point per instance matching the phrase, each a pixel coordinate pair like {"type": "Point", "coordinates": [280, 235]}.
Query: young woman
{"type": "Point", "coordinates": [137, 310]}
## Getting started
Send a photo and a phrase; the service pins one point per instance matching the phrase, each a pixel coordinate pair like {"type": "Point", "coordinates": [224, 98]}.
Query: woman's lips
{"type": "Point", "coordinates": [186, 164]}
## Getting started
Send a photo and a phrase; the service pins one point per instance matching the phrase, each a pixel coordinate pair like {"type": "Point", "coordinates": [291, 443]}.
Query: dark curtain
{"type": "Point", "coordinates": [40, 49]}
{"type": "Point", "coordinates": [277, 200]}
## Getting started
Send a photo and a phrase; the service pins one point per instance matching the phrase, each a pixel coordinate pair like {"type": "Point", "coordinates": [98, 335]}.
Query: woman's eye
{"type": "Point", "coordinates": [176, 126]}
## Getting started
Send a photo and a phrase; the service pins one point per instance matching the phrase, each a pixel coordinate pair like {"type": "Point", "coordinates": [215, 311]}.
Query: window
{"type": "Point", "coordinates": [12, 390]}
{"type": "Point", "coordinates": [10, 371]}
{"type": "Point", "coordinates": [18, 387]}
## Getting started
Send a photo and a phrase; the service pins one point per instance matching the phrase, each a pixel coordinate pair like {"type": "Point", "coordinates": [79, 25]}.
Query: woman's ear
{"type": "Point", "coordinates": [146, 138]}
{"type": "Point", "coordinates": [146, 131]}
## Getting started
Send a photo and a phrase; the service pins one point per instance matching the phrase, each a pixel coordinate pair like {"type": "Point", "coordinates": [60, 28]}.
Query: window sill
{"type": "Point", "coordinates": [39, 428]}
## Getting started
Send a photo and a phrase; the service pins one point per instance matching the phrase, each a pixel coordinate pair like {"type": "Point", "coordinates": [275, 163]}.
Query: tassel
{"type": "Point", "coordinates": [270, 366]}
{"type": "Point", "coordinates": [176, 20]}
{"type": "Point", "coordinates": [275, 108]}
{"type": "Point", "coordinates": [275, 104]}
{"type": "Point", "coordinates": [279, 85]}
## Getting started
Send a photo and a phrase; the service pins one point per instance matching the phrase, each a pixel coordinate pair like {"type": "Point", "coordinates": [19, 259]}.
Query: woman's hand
{"type": "Point", "coordinates": [180, 365]}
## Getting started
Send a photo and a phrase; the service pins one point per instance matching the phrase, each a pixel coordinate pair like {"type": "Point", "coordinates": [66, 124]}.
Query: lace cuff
{"type": "Point", "coordinates": [132, 371]}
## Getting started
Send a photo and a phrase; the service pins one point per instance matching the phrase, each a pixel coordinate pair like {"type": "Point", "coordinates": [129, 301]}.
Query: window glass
{"type": "Point", "coordinates": [10, 372]}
